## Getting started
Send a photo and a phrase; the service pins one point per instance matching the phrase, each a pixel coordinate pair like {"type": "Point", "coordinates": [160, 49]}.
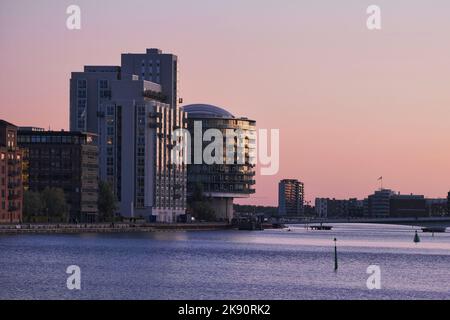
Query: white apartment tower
{"type": "Point", "coordinates": [134, 119]}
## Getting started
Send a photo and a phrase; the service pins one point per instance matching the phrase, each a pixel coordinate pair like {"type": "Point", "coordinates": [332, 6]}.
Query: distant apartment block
{"type": "Point", "coordinates": [11, 196]}
{"type": "Point", "coordinates": [291, 195]}
{"type": "Point", "coordinates": [133, 108]}
{"type": "Point", "coordinates": [448, 203]}
{"type": "Point", "coordinates": [66, 160]}
{"type": "Point", "coordinates": [378, 204]}
{"type": "Point", "coordinates": [408, 206]}
{"type": "Point", "coordinates": [437, 207]}
{"type": "Point", "coordinates": [335, 208]}
{"type": "Point", "coordinates": [387, 203]}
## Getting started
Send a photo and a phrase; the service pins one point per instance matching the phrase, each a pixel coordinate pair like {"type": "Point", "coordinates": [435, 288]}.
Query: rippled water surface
{"type": "Point", "coordinates": [270, 264]}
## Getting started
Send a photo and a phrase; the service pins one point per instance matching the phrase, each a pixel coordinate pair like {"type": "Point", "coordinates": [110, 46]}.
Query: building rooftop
{"type": "Point", "coordinates": [206, 111]}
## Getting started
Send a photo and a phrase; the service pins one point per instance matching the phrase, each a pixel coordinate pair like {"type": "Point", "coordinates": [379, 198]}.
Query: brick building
{"type": "Point", "coordinates": [11, 194]}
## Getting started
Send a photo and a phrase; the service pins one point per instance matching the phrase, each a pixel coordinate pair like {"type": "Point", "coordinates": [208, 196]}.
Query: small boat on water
{"type": "Point", "coordinates": [434, 229]}
{"type": "Point", "coordinates": [327, 228]}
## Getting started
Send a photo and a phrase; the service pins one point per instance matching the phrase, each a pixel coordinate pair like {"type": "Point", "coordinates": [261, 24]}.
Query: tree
{"type": "Point", "coordinates": [32, 205]}
{"type": "Point", "coordinates": [199, 206]}
{"type": "Point", "coordinates": [54, 204]}
{"type": "Point", "coordinates": [107, 202]}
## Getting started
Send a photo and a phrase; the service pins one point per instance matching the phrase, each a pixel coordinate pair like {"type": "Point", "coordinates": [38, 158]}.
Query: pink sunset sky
{"type": "Point", "coordinates": [351, 104]}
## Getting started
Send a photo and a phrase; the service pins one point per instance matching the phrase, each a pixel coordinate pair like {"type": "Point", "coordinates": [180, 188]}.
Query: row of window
{"type": "Point", "coordinates": [53, 139]}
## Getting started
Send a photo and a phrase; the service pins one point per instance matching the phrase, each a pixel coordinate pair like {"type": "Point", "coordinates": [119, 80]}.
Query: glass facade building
{"type": "Point", "coordinates": [234, 177]}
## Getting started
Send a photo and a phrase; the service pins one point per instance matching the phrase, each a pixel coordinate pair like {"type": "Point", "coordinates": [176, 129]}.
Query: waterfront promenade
{"type": "Point", "coordinates": [64, 228]}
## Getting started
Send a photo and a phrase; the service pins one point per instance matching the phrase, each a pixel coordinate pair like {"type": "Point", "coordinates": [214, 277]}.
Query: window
{"type": "Point", "coordinates": [103, 84]}
{"type": "Point", "coordinates": [81, 93]}
{"type": "Point", "coordinates": [81, 84]}
{"type": "Point", "coordinates": [110, 110]}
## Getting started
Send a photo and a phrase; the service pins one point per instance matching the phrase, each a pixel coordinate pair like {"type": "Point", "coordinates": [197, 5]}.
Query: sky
{"type": "Point", "coordinates": [351, 104]}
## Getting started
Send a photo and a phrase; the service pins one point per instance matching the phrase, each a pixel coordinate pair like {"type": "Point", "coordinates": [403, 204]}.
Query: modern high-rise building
{"type": "Point", "coordinates": [291, 195]}
{"type": "Point", "coordinates": [234, 177]}
{"type": "Point", "coordinates": [133, 110]}
{"type": "Point", "coordinates": [11, 195]}
{"type": "Point", "coordinates": [65, 160]}
{"type": "Point", "coordinates": [88, 90]}
{"type": "Point", "coordinates": [135, 130]}
{"type": "Point", "coordinates": [154, 66]}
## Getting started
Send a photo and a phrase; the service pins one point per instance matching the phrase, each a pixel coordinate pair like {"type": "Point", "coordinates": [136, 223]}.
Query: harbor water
{"type": "Point", "coordinates": [228, 264]}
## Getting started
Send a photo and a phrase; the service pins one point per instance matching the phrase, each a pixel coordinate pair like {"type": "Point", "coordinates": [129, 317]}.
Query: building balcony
{"type": "Point", "coordinates": [154, 95]}
{"type": "Point", "coordinates": [155, 115]}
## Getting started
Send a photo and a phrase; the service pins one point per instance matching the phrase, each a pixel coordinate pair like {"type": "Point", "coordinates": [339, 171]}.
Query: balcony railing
{"type": "Point", "coordinates": [155, 95]}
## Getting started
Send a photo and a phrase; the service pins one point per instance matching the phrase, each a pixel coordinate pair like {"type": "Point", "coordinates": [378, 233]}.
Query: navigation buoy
{"type": "Point", "coordinates": [416, 238]}
{"type": "Point", "coordinates": [335, 256]}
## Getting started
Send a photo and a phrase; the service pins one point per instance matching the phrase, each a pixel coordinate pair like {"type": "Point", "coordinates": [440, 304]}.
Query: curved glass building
{"type": "Point", "coordinates": [235, 176]}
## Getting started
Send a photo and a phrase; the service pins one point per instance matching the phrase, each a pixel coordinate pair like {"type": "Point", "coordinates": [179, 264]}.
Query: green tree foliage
{"type": "Point", "coordinates": [199, 205]}
{"type": "Point", "coordinates": [54, 204]}
{"type": "Point", "coordinates": [107, 202]}
{"type": "Point", "coordinates": [32, 206]}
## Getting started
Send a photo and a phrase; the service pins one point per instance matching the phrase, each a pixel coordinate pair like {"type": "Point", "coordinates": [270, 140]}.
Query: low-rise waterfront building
{"type": "Point", "coordinates": [377, 205]}
{"type": "Point", "coordinates": [401, 205]}
{"type": "Point", "coordinates": [336, 208]}
{"type": "Point", "coordinates": [448, 203]}
{"type": "Point", "coordinates": [437, 207]}
{"type": "Point", "coordinates": [65, 160]}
